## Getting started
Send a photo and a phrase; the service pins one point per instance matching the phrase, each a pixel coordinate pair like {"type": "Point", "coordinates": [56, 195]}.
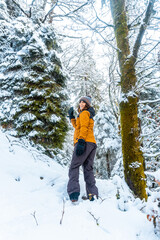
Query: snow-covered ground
{"type": "Point", "coordinates": [33, 197]}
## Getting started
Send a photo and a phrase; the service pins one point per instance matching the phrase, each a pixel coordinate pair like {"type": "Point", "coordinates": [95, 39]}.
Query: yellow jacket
{"type": "Point", "coordinates": [84, 126]}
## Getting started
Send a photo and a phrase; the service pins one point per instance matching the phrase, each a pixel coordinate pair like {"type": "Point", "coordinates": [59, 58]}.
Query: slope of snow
{"type": "Point", "coordinates": [33, 197]}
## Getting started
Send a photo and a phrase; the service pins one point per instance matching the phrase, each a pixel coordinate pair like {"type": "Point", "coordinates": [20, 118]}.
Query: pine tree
{"type": "Point", "coordinates": [150, 120]}
{"type": "Point", "coordinates": [33, 96]}
{"type": "Point", "coordinates": [108, 141]}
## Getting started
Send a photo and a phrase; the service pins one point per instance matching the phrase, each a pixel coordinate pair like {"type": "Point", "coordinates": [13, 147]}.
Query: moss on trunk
{"type": "Point", "coordinates": [132, 155]}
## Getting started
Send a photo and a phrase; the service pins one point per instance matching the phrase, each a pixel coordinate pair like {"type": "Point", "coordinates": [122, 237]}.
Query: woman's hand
{"type": "Point", "coordinates": [70, 112]}
{"type": "Point", "coordinates": [80, 147]}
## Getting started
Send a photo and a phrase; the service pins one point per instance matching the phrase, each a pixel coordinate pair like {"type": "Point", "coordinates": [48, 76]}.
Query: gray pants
{"type": "Point", "coordinates": [86, 160]}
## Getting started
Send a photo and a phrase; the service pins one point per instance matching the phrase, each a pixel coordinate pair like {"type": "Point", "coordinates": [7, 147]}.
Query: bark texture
{"type": "Point", "coordinates": [132, 155]}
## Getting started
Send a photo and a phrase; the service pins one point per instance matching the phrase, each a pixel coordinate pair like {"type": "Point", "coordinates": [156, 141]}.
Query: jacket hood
{"type": "Point", "coordinates": [92, 111]}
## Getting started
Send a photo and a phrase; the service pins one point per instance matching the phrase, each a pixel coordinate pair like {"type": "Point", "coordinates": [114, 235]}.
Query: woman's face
{"type": "Point", "coordinates": [82, 105]}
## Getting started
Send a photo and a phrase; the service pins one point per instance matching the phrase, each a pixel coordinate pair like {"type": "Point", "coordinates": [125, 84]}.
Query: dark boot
{"type": "Point", "coordinates": [74, 196]}
{"type": "Point", "coordinates": [91, 197]}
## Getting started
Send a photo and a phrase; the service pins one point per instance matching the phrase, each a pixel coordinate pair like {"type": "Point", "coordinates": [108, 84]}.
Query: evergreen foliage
{"type": "Point", "coordinates": [108, 141]}
{"type": "Point", "coordinates": [150, 120]}
{"type": "Point", "coordinates": [33, 96]}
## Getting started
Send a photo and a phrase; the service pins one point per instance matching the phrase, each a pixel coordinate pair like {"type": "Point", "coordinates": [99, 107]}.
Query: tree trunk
{"type": "Point", "coordinates": [108, 164]}
{"type": "Point", "coordinates": [132, 155]}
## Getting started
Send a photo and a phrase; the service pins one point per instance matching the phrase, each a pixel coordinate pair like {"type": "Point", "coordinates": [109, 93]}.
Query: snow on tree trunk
{"type": "Point", "coordinates": [132, 154]}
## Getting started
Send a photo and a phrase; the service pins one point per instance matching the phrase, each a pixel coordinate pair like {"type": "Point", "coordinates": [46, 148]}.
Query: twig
{"type": "Point", "coordinates": [32, 2]}
{"type": "Point", "coordinates": [96, 219]}
{"type": "Point", "coordinates": [17, 4]}
{"type": "Point", "coordinates": [148, 53]}
{"type": "Point", "coordinates": [62, 212]}
{"type": "Point", "coordinates": [49, 12]}
{"type": "Point", "coordinates": [34, 215]}
{"type": "Point", "coordinates": [130, 25]}
{"type": "Point", "coordinates": [96, 31]}
{"type": "Point", "coordinates": [65, 15]}
{"type": "Point", "coordinates": [67, 36]}
{"type": "Point", "coordinates": [102, 199]}
{"type": "Point", "coordinates": [10, 142]}
{"type": "Point", "coordinates": [107, 25]}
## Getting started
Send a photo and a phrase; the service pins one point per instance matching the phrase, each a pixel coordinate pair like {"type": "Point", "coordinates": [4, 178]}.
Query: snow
{"type": "Point", "coordinates": [155, 174]}
{"type": "Point", "coordinates": [1, 75]}
{"type": "Point", "coordinates": [33, 195]}
{"type": "Point", "coordinates": [135, 165]}
{"type": "Point", "coordinates": [54, 118]}
{"type": "Point", "coordinates": [33, 133]}
{"type": "Point", "coordinates": [4, 93]}
{"type": "Point", "coordinates": [150, 101]}
{"type": "Point", "coordinates": [124, 96]}
{"type": "Point", "coordinates": [27, 117]}
{"type": "Point", "coordinates": [110, 143]}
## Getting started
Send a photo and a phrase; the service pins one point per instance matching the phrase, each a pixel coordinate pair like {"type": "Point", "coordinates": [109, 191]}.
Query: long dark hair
{"type": "Point", "coordinates": [85, 108]}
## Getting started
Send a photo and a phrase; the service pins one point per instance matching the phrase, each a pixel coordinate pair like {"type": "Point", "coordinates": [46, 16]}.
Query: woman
{"type": "Point", "coordinates": [84, 150]}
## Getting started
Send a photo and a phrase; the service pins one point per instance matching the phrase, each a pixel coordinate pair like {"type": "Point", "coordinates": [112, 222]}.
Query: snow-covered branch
{"type": "Point", "coordinates": [145, 135]}
{"type": "Point", "coordinates": [143, 28]}
{"type": "Point", "coordinates": [149, 101]}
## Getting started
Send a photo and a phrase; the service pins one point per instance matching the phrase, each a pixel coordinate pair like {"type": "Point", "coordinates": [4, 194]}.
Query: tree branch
{"type": "Point", "coordinates": [96, 31]}
{"type": "Point", "coordinates": [67, 36]}
{"type": "Point", "coordinates": [148, 53]}
{"type": "Point", "coordinates": [150, 101]}
{"type": "Point", "coordinates": [107, 25]}
{"type": "Point", "coordinates": [34, 215]}
{"type": "Point", "coordinates": [30, 10]}
{"type": "Point", "coordinates": [130, 25]}
{"type": "Point", "coordinates": [143, 28]}
{"type": "Point", "coordinates": [96, 219]}
{"type": "Point", "coordinates": [62, 212]}
{"type": "Point", "coordinates": [32, 2]}
{"type": "Point", "coordinates": [110, 96]}
{"type": "Point", "coordinates": [17, 4]}
{"type": "Point", "coordinates": [49, 12]}
{"type": "Point", "coordinates": [65, 15]}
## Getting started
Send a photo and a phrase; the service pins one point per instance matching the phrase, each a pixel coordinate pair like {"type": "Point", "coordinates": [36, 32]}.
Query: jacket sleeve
{"type": "Point", "coordinates": [84, 122]}
{"type": "Point", "coordinates": [73, 121]}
